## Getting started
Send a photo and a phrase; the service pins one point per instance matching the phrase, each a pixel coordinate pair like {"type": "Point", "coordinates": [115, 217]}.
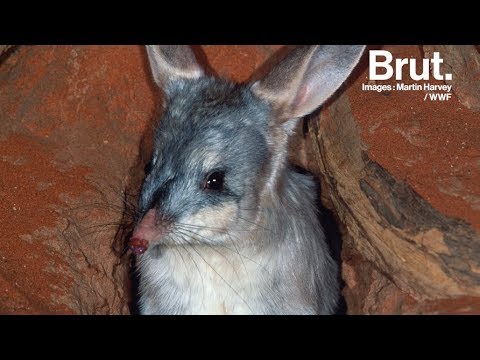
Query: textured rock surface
{"type": "Point", "coordinates": [5, 48]}
{"type": "Point", "coordinates": [403, 176]}
{"type": "Point", "coordinates": [71, 120]}
{"type": "Point", "coordinates": [463, 62]}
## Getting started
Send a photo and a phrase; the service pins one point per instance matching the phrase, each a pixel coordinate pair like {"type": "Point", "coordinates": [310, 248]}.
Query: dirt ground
{"type": "Point", "coordinates": [72, 119]}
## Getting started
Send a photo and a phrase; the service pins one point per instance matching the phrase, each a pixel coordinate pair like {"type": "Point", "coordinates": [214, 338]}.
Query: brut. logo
{"type": "Point", "coordinates": [386, 59]}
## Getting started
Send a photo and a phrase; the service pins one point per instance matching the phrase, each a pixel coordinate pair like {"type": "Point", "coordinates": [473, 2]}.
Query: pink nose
{"type": "Point", "coordinates": [137, 245]}
{"type": "Point", "coordinates": [144, 233]}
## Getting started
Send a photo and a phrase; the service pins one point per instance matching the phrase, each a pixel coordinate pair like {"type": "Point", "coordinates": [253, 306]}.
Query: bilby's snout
{"type": "Point", "coordinates": [150, 229]}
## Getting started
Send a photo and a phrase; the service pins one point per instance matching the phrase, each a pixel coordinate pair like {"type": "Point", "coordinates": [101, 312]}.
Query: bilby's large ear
{"type": "Point", "coordinates": [306, 78]}
{"type": "Point", "coordinates": [171, 63]}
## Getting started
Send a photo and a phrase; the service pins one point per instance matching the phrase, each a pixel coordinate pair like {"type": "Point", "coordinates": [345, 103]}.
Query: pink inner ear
{"type": "Point", "coordinates": [146, 229]}
{"type": "Point", "coordinates": [300, 99]}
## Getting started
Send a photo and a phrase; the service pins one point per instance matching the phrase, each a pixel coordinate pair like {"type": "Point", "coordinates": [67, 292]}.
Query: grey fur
{"type": "Point", "coordinates": [259, 247]}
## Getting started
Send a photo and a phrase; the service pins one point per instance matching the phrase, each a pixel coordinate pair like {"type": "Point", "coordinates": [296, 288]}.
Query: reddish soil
{"type": "Point", "coordinates": [29, 184]}
{"type": "Point", "coordinates": [71, 119]}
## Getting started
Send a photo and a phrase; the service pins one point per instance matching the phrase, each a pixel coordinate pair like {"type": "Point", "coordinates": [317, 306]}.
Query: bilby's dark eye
{"type": "Point", "coordinates": [214, 181]}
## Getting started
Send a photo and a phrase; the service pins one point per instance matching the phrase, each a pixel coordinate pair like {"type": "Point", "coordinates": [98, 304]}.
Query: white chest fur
{"type": "Point", "coordinates": [202, 280]}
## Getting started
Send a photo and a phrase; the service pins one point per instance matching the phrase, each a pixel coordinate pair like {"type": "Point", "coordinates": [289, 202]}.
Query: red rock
{"type": "Point", "coordinates": [71, 120]}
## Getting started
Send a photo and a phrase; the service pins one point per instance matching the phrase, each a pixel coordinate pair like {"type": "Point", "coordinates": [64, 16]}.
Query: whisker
{"type": "Point", "coordinates": [198, 270]}
{"type": "Point", "coordinates": [120, 192]}
{"type": "Point", "coordinates": [262, 267]}
{"type": "Point", "coordinates": [241, 258]}
{"type": "Point", "coordinates": [181, 256]}
{"type": "Point", "coordinates": [237, 252]}
{"type": "Point", "coordinates": [254, 223]}
{"type": "Point", "coordinates": [200, 227]}
{"type": "Point", "coordinates": [221, 277]}
{"type": "Point", "coordinates": [109, 207]}
{"type": "Point", "coordinates": [125, 224]}
{"type": "Point", "coordinates": [210, 228]}
{"type": "Point", "coordinates": [213, 248]}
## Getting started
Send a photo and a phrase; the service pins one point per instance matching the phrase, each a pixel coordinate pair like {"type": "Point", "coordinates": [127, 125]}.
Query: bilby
{"type": "Point", "coordinates": [226, 225]}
